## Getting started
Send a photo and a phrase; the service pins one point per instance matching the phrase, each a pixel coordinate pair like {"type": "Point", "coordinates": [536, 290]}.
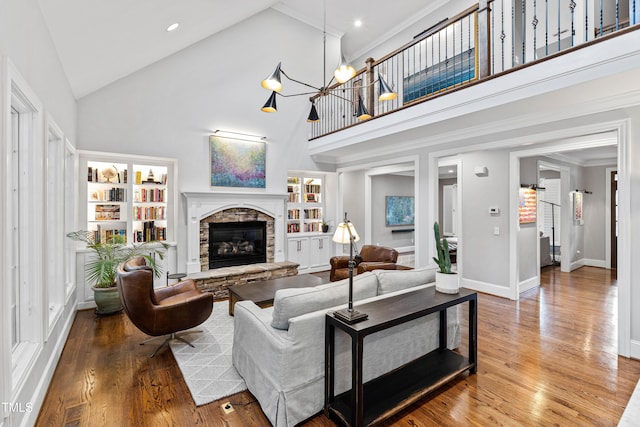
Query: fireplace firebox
{"type": "Point", "coordinates": [237, 243]}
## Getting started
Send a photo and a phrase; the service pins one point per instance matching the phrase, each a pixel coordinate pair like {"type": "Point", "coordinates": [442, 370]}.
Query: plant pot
{"type": "Point", "coordinates": [107, 300]}
{"type": "Point", "coordinates": [447, 283]}
{"type": "Point", "coordinates": [325, 228]}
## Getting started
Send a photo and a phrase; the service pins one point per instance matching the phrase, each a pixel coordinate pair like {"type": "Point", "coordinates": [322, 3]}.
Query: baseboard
{"type": "Point", "coordinates": [634, 349]}
{"type": "Point", "coordinates": [576, 264]}
{"type": "Point", "coordinates": [85, 305]}
{"type": "Point", "coordinates": [43, 385]}
{"type": "Point", "coordinates": [531, 283]}
{"type": "Point", "coordinates": [595, 263]}
{"type": "Point", "coordinates": [487, 288]}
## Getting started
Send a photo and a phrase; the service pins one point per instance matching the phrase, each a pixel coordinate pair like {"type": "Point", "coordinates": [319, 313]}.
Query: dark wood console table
{"type": "Point", "coordinates": [378, 399]}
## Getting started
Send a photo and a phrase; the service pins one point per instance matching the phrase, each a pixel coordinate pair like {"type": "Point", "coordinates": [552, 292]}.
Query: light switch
{"type": "Point", "coordinates": [496, 231]}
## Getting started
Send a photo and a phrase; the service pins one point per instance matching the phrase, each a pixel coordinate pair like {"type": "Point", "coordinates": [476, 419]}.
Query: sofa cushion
{"type": "Point", "coordinates": [293, 302]}
{"type": "Point", "coordinates": [395, 280]}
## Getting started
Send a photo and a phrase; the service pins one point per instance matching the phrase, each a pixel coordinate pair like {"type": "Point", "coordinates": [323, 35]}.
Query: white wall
{"type": "Point", "coordinates": [26, 43]}
{"type": "Point", "coordinates": [170, 108]}
{"type": "Point", "coordinates": [485, 255]}
{"type": "Point", "coordinates": [353, 203]}
{"type": "Point", "coordinates": [528, 233]}
{"type": "Point", "coordinates": [25, 39]}
{"type": "Point", "coordinates": [382, 186]}
{"type": "Point", "coordinates": [594, 215]}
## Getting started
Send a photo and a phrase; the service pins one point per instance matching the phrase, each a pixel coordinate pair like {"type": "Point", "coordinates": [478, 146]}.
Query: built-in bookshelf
{"type": "Point", "coordinates": [307, 244]}
{"type": "Point", "coordinates": [305, 204]}
{"type": "Point", "coordinates": [129, 196]}
{"type": "Point", "coordinates": [149, 215]}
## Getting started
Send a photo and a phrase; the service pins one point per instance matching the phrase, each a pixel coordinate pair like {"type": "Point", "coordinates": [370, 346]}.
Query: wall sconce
{"type": "Point", "coordinates": [237, 135]}
{"type": "Point", "coordinates": [585, 191]}
{"type": "Point", "coordinates": [481, 171]}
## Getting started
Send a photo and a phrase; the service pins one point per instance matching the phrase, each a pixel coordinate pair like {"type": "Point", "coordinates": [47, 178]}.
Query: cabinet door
{"type": "Point", "coordinates": [298, 251]}
{"type": "Point", "coordinates": [320, 251]}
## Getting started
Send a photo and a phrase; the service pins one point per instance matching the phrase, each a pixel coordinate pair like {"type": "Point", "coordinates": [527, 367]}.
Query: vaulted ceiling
{"type": "Point", "coordinates": [101, 41]}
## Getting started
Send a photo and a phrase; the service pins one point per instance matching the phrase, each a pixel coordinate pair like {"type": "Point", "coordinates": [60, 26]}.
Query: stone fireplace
{"type": "Point", "coordinates": [236, 236]}
{"type": "Point", "coordinates": [205, 208]}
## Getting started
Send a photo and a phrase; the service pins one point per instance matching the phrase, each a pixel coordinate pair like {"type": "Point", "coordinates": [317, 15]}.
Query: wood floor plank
{"type": "Point", "coordinates": [548, 359]}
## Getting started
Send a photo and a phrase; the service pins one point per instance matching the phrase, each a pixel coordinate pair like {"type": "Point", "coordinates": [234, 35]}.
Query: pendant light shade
{"type": "Point", "coordinates": [344, 72]}
{"type": "Point", "coordinates": [361, 110]}
{"type": "Point", "coordinates": [384, 91]}
{"type": "Point", "coordinates": [273, 81]}
{"type": "Point", "coordinates": [313, 114]}
{"type": "Point", "coordinates": [270, 105]}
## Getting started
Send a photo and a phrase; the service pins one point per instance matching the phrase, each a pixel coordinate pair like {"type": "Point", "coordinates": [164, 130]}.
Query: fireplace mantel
{"type": "Point", "coordinates": [200, 205]}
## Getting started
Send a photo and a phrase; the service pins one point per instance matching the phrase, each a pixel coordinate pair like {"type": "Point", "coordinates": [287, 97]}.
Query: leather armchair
{"type": "Point", "coordinates": [371, 257]}
{"type": "Point", "coordinates": [163, 311]}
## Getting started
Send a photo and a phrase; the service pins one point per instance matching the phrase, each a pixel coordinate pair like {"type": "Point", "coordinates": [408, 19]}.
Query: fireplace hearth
{"type": "Point", "coordinates": [237, 243]}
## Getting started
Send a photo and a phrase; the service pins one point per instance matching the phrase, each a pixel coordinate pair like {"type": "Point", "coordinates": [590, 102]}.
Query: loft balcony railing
{"type": "Point", "coordinates": [488, 39]}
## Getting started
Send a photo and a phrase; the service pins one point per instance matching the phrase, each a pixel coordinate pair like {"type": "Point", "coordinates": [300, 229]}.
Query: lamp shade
{"type": "Point", "coordinates": [313, 114]}
{"type": "Point", "coordinates": [361, 110]}
{"type": "Point", "coordinates": [273, 81]}
{"type": "Point", "coordinates": [270, 105]}
{"type": "Point", "coordinates": [342, 235]}
{"type": "Point", "coordinates": [384, 91]}
{"type": "Point", "coordinates": [344, 72]}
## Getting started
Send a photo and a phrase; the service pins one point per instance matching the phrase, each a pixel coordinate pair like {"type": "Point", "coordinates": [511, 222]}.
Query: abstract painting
{"type": "Point", "coordinates": [237, 163]}
{"type": "Point", "coordinates": [399, 210]}
{"type": "Point", "coordinates": [527, 205]}
{"type": "Point", "coordinates": [578, 218]}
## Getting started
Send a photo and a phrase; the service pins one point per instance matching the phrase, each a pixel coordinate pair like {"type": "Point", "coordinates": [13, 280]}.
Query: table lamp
{"type": "Point", "coordinates": [346, 233]}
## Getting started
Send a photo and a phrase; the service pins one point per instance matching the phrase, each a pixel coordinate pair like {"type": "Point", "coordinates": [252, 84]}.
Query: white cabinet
{"type": "Point", "coordinates": [319, 252]}
{"type": "Point", "coordinates": [298, 252]}
{"type": "Point", "coordinates": [311, 252]}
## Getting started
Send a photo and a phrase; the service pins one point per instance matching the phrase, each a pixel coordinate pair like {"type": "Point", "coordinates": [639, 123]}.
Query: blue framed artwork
{"type": "Point", "coordinates": [399, 210]}
{"type": "Point", "coordinates": [237, 163]}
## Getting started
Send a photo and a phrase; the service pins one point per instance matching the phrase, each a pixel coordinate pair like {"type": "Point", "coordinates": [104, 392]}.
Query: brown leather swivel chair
{"type": "Point", "coordinates": [163, 311]}
{"type": "Point", "coordinates": [371, 258]}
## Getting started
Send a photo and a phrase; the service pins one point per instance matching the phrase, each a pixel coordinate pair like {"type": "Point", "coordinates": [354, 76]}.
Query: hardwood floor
{"type": "Point", "coordinates": [547, 359]}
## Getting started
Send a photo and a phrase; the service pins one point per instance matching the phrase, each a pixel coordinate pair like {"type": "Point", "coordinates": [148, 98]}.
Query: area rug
{"type": "Point", "coordinates": [207, 368]}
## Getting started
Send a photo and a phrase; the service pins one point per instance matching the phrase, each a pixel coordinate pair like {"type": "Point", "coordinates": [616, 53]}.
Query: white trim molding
{"type": "Point", "coordinates": [200, 205]}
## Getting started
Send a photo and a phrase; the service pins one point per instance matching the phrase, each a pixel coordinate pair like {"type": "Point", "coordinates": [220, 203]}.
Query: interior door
{"type": "Point", "coordinates": [449, 208]}
{"type": "Point", "coordinates": [614, 219]}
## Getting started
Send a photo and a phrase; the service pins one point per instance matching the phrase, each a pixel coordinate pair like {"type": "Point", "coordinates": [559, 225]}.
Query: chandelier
{"type": "Point", "coordinates": [342, 74]}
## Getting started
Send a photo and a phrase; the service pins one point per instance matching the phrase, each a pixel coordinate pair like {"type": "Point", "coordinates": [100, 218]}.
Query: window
{"type": "Point", "coordinates": [14, 221]}
{"type": "Point", "coordinates": [24, 155]}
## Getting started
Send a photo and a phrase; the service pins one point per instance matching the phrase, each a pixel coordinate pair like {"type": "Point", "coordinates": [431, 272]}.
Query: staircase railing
{"type": "Point", "coordinates": [487, 39]}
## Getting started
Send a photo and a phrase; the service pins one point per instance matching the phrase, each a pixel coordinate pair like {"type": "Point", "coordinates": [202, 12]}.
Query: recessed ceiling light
{"type": "Point", "coordinates": [173, 26]}
{"type": "Point", "coordinates": [357, 23]}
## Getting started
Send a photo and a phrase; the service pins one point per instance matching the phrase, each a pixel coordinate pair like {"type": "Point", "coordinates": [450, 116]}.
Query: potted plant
{"type": "Point", "coordinates": [101, 267]}
{"type": "Point", "coordinates": [446, 280]}
{"type": "Point", "coordinates": [325, 226]}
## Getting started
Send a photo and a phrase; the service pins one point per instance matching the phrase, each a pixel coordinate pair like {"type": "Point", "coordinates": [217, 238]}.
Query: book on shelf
{"type": "Point", "coordinates": [149, 195]}
{"type": "Point", "coordinates": [141, 213]}
{"type": "Point", "coordinates": [103, 235]}
{"type": "Point", "coordinates": [150, 232]}
{"type": "Point", "coordinates": [109, 195]}
{"type": "Point", "coordinates": [312, 188]}
{"type": "Point", "coordinates": [293, 228]}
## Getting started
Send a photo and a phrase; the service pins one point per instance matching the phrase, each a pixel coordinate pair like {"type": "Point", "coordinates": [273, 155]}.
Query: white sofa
{"type": "Point", "coordinates": [279, 351]}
